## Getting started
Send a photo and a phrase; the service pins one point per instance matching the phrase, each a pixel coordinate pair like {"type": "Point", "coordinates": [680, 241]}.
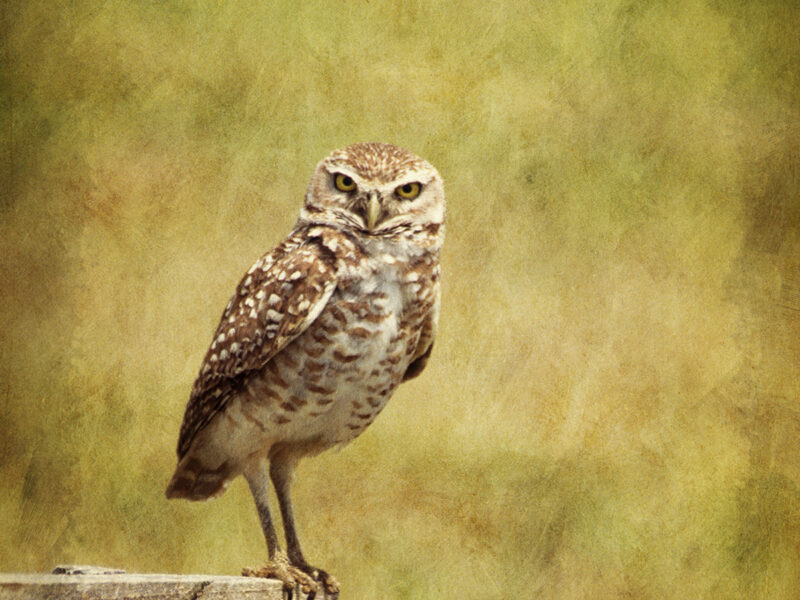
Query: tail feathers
{"type": "Point", "coordinates": [194, 481]}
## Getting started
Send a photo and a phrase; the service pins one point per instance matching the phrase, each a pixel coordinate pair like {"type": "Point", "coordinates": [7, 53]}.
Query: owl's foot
{"type": "Point", "coordinates": [294, 580]}
{"type": "Point", "coordinates": [328, 581]}
{"type": "Point", "coordinates": [299, 579]}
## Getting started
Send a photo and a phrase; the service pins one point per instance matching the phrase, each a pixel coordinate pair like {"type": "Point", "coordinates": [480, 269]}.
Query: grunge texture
{"type": "Point", "coordinates": [612, 409]}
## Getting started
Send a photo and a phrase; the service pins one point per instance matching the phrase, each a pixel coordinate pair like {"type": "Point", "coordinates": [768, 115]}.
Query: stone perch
{"type": "Point", "coordinates": [98, 583]}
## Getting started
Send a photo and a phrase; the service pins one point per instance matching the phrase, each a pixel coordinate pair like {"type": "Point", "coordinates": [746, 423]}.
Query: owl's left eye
{"type": "Point", "coordinates": [408, 191]}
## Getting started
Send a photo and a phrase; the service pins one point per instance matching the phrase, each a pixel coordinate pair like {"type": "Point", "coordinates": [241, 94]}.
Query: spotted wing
{"type": "Point", "coordinates": [274, 303]}
{"type": "Point", "coordinates": [427, 278]}
{"type": "Point", "coordinates": [425, 343]}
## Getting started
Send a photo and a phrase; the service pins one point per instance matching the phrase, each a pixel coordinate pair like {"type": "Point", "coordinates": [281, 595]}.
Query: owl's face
{"type": "Point", "coordinates": [375, 190]}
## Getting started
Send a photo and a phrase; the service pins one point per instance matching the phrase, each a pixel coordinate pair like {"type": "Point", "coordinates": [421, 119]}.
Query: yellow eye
{"type": "Point", "coordinates": [344, 183]}
{"type": "Point", "coordinates": [408, 191]}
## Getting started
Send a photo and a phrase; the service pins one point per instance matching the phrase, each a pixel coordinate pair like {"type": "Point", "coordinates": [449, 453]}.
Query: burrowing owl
{"type": "Point", "coordinates": [318, 335]}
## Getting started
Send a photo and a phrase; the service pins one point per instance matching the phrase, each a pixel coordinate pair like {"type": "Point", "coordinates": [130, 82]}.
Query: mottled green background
{"type": "Point", "coordinates": [613, 405]}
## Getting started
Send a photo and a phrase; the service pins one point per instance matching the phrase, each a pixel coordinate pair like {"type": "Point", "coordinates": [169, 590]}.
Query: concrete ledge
{"type": "Point", "coordinates": [123, 586]}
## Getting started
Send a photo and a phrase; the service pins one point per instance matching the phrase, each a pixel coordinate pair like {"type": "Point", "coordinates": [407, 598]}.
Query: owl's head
{"type": "Point", "coordinates": [375, 189]}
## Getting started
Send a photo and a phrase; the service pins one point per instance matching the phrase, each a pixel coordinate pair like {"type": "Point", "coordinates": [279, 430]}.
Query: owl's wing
{"type": "Point", "coordinates": [274, 303]}
{"type": "Point", "coordinates": [425, 343]}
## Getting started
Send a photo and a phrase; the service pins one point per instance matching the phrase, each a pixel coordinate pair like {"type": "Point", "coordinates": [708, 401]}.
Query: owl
{"type": "Point", "coordinates": [318, 335]}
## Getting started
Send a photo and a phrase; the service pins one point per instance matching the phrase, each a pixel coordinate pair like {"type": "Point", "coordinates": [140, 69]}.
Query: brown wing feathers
{"type": "Point", "coordinates": [275, 302]}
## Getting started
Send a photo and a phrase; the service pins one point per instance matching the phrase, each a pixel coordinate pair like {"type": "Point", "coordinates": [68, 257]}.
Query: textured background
{"type": "Point", "coordinates": [613, 405]}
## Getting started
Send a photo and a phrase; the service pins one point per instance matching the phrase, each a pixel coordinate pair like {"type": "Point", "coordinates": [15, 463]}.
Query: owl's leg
{"type": "Point", "coordinates": [278, 564]}
{"type": "Point", "coordinates": [282, 466]}
{"type": "Point", "coordinates": [259, 487]}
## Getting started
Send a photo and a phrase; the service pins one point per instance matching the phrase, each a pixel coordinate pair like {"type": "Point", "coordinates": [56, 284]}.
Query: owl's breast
{"type": "Point", "coordinates": [334, 379]}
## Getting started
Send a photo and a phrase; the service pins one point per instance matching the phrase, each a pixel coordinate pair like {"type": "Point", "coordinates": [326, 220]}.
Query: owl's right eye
{"type": "Point", "coordinates": [344, 183]}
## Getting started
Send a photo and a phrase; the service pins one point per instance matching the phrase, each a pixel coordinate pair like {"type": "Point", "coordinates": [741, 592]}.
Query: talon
{"type": "Point", "coordinates": [330, 586]}
{"type": "Point", "coordinates": [296, 581]}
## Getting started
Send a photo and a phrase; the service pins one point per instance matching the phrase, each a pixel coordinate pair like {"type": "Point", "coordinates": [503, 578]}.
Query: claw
{"type": "Point", "coordinates": [329, 583]}
{"type": "Point", "coordinates": [330, 587]}
{"type": "Point", "coordinates": [295, 580]}
{"type": "Point", "coordinates": [298, 579]}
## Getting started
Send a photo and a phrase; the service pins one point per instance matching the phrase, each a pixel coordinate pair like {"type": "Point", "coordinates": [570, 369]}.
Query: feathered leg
{"type": "Point", "coordinates": [278, 564]}
{"type": "Point", "coordinates": [282, 466]}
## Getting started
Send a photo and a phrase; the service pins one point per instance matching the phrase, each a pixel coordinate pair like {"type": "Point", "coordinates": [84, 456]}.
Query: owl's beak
{"type": "Point", "coordinates": [374, 211]}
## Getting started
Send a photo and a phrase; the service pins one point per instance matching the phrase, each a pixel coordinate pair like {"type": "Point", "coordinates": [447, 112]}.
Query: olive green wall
{"type": "Point", "coordinates": [612, 409]}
